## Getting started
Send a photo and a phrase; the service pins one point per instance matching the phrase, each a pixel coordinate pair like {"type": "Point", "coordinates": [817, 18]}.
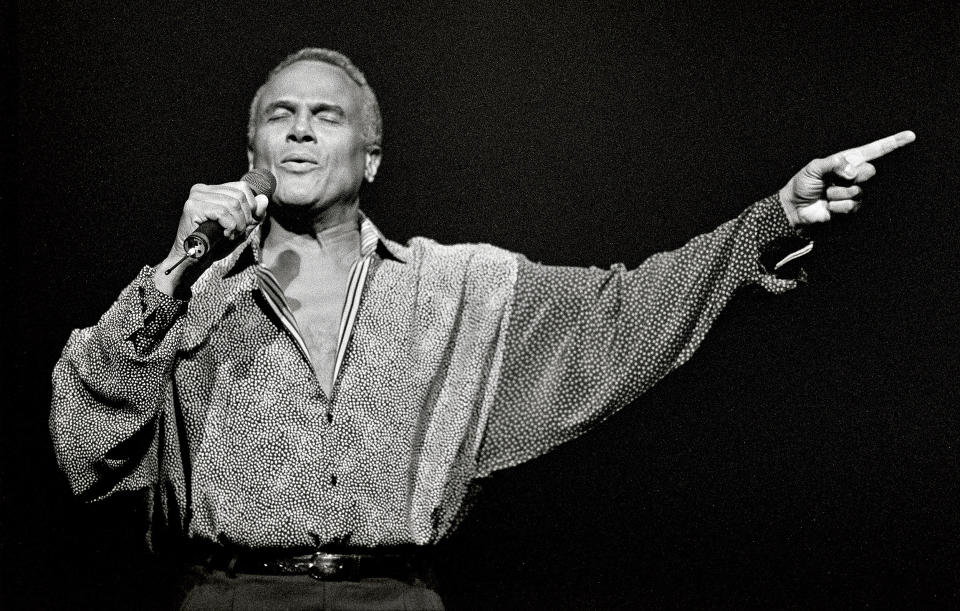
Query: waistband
{"type": "Point", "coordinates": [411, 564]}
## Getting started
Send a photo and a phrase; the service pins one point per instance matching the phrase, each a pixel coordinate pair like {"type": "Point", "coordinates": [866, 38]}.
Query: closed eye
{"type": "Point", "coordinates": [326, 113]}
{"type": "Point", "coordinates": [330, 116]}
{"type": "Point", "coordinates": [278, 111]}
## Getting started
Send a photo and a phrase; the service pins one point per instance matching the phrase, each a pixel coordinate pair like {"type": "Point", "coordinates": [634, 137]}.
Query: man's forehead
{"type": "Point", "coordinates": [314, 81]}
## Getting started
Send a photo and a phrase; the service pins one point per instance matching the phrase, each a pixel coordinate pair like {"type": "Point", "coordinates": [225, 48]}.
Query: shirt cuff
{"type": "Point", "coordinates": [781, 244]}
{"type": "Point", "coordinates": [158, 310]}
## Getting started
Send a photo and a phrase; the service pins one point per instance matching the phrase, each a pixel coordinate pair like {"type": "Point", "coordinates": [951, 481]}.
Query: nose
{"type": "Point", "coordinates": [301, 130]}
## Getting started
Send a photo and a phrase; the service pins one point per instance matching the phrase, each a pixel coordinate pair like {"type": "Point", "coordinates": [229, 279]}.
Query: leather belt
{"type": "Point", "coordinates": [405, 564]}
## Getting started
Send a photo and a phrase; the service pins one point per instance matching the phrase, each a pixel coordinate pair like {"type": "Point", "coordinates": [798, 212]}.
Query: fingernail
{"type": "Point", "coordinates": [849, 171]}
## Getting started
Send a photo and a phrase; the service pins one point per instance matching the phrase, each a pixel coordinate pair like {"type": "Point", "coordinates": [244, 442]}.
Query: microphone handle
{"type": "Point", "coordinates": [203, 238]}
{"type": "Point", "coordinates": [199, 243]}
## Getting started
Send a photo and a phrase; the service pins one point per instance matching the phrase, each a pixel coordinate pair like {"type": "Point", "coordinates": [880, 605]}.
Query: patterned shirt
{"type": "Point", "coordinates": [454, 362]}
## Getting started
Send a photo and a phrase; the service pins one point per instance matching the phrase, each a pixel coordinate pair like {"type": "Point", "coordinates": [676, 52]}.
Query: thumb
{"type": "Point", "coordinates": [260, 208]}
{"type": "Point", "coordinates": [851, 163]}
{"type": "Point", "coordinates": [842, 164]}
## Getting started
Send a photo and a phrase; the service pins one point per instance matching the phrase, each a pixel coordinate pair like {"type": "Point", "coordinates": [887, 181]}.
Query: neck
{"type": "Point", "coordinates": [313, 222]}
{"type": "Point", "coordinates": [332, 238]}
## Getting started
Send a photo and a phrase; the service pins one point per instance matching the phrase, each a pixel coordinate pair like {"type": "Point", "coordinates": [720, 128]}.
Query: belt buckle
{"type": "Point", "coordinates": [325, 567]}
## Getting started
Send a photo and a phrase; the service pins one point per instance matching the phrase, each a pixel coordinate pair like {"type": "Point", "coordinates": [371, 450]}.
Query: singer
{"type": "Point", "coordinates": [306, 405]}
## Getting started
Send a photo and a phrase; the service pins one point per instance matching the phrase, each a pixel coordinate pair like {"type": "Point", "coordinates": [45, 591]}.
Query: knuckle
{"type": "Point", "coordinates": [238, 197]}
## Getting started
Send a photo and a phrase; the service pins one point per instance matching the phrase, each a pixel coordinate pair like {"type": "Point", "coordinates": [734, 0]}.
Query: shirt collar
{"type": "Point", "coordinates": [371, 242]}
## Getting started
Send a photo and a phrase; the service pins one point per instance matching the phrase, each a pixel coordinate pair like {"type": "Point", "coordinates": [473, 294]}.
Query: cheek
{"type": "Point", "coordinates": [260, 154]}
{"type": "Point", "coordinates": [266, 143]}
{"type": "Point", "coordinates": [356, 156]}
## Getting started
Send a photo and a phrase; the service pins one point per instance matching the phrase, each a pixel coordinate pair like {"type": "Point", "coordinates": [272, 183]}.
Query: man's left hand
{"type": "Point", "coordinates": [832, 185]}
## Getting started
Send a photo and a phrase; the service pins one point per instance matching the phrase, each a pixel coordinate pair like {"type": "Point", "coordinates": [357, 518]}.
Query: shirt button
{"type": "Point", "coordinates": [329, 417]}
{"type": "Point", "coordinates": [333, 480]}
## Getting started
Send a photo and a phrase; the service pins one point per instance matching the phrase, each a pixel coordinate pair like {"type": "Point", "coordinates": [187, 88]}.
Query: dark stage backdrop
{"type": "Point", "coordinates": [806, 457]}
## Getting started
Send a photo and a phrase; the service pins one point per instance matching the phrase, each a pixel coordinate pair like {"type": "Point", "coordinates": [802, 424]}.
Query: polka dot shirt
{"type": "Point", "coordinates": [463, 360]}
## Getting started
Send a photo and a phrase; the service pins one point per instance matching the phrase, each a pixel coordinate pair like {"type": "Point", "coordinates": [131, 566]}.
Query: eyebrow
{"type": "Point", "coordinates": [314, 108]}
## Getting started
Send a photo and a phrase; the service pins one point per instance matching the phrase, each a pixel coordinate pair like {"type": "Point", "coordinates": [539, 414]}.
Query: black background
{"type": "Point", "coordinates": [807, 456]}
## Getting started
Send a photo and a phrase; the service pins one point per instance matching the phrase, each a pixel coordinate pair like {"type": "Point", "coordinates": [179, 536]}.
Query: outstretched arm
{"type": "Point", "coordinates": [582, 343]}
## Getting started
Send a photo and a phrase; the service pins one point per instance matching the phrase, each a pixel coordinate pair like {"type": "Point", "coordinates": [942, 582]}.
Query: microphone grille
{"type": "Point", "coordinates": [261, 181]}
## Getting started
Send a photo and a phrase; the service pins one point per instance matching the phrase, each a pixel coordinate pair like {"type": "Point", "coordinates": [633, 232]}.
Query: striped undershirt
{"type": "Point", "coordinates": [270, 287]}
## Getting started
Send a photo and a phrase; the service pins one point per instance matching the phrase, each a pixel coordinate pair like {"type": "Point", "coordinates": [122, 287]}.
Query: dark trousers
{"type": "Point", "coordinates": [214, 589]}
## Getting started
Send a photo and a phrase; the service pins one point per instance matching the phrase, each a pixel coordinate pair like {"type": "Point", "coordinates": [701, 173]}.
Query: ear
{"type": "Point", "coordinates": [372, 163]}
{"type": "Point", "coordinates": [249, 158]}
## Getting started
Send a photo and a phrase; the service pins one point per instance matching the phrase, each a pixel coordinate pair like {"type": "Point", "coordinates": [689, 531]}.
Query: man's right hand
{"type": "Point", "coordinates": [232, 205]}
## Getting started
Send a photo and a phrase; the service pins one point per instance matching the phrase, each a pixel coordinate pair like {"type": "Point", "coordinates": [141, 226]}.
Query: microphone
{"type": "Point", "coordinates": [209, 233]}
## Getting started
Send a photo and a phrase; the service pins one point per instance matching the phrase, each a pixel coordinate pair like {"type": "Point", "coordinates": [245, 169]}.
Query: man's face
{"type": "Point", "coordinates": [309, 134]}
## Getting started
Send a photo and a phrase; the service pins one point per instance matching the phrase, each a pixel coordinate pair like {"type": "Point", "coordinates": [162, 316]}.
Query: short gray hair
{"type": "Point", "coordinates": [371, 121]}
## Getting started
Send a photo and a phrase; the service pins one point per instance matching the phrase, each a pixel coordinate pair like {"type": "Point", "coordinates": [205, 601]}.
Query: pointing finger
{"type": "Point", "coordinates": [878, 148]}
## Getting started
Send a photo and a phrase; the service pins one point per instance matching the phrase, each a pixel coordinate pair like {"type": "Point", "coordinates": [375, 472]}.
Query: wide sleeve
{"type": "Point", "coordinates": [583, 342]}
{"type": "Point", "coordinates": [109, 388]}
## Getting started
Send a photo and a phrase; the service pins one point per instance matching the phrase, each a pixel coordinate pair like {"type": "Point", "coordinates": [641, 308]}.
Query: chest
{"type": "Point", "coordinates": [314, 283]}
{"type": "Point", "coordinates": [316, 295]}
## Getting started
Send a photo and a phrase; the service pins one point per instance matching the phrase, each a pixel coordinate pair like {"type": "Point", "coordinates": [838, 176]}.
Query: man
{"type": "Point", "coordinates": [308, 408]}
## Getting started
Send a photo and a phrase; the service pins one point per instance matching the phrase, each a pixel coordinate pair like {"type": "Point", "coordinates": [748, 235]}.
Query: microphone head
{"type": "Point", "coordinates": [261, 181]}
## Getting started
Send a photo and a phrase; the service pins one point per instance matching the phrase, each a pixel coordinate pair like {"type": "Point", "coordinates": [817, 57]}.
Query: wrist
{"type": "Point", "coordinates": [180, 278]}
{"type": "Point", "coordinates": [789, 208]}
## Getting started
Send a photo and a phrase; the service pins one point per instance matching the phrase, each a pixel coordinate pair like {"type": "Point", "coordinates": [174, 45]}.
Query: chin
{"type": "Point", "coordinates": [294, 198]}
